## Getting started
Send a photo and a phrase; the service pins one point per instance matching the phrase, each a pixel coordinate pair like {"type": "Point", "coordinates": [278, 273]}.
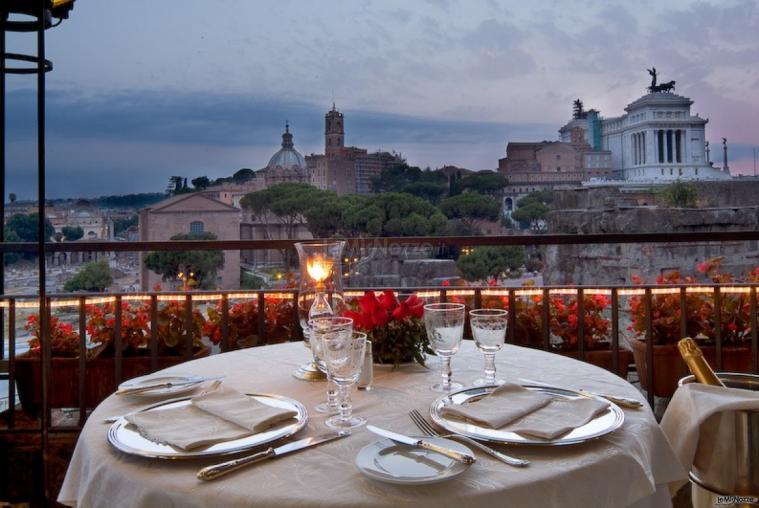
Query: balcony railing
{"type": "Point", "coordinates": [542, 304]}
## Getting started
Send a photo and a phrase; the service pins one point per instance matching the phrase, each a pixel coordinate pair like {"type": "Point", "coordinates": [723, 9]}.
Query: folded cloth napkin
{"type": "Point", "coordinates": [513, 408]}
{"type": "Point", "coordinates": [211, 417]}
{"type": "Point", "coordinates": [558, 417]}
{"type": "Point", "coordinates": [503, 405]}
{"type": "Point", "coordinates": [692, 416]}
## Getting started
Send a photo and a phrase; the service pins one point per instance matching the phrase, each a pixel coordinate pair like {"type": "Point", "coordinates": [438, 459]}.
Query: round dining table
{"type": "Point", "coordinates": [631, 466]}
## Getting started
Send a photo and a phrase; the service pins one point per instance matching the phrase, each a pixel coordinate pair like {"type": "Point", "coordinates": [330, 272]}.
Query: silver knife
{"type": "Point", "coordinates": [168, 384]}
{"type": "Point", "coordinates": [421, 443]}
{"type": "Point", "coordinates": [217, 470]}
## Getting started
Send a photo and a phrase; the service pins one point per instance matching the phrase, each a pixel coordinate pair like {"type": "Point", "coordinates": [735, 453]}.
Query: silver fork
{"type": "Point", "coordinates": [427, 428]}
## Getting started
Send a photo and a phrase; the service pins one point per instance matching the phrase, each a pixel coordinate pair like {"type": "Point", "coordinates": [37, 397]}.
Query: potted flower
{"type": "Point", "coordinates": [564, 327]}
{"type": "Point", "coordinates": [100, 370]}
{"type": "Point", "coordinates": [242, 323]}
{"type": "Point", "coordinates": [666, 322]}
{"type": "Point", "coordinates": [395, 327]}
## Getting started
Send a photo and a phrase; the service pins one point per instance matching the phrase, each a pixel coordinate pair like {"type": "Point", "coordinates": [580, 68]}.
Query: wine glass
{"type": "Point", "coordinates": [489, 333]}
{"type": "Point", "coordinates": [317, 328]}
{"type": "Point", "coordinates": [344, 355]}
{"type": "Point", "coordinates": [445, 328]}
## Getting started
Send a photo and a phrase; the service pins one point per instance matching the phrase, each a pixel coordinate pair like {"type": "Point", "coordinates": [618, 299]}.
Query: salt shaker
{"type": "Point", "coordinates": [367, 370]}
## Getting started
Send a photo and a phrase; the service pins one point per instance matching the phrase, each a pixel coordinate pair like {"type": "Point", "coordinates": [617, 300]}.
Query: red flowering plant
{"type": "Point", "coordinates": [395, 327]}
{"type": "Point", "coordinates": [172, 332]}
{"type": "Point", "coordinates": [666, 311]}
{"type": "Point", "coordinates": [564, 321]}
{"type": "Point", "coordinates": [135, 327]}
{"type": "Point", "coordinates": [64, 341]}
{"type": "Point", "coordinates": [243, 323]}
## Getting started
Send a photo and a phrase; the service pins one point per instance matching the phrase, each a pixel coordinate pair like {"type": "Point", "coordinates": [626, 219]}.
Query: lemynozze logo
{"type": "Point", "coordinates": [735, 500]}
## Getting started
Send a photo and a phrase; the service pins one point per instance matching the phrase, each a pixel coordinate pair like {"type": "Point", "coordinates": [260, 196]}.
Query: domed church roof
{"type": "Point", "coordinates": [287, 157]}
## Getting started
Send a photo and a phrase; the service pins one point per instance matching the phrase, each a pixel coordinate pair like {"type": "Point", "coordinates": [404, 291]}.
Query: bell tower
{"type": "Point", "coordinates": [334, 134]}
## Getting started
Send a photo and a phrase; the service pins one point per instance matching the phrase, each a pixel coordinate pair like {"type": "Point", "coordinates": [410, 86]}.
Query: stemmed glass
{"type": "Point", "coordinates": [317, 329]}
{"type": "Point", "coordinates": [343, 353]}
{"type": "Point", "coordinates": [445, 328]}
{"type": "Point", "coordinates": [489, 333]}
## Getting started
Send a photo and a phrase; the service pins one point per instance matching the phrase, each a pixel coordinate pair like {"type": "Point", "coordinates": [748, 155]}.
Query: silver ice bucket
{"type": "Point", "coordinates": [729, 464]}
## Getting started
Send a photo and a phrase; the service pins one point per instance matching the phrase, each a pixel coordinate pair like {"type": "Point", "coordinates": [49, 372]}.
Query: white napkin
{"type": "Point", "coordinates": [212, 417]}
{"type": "Point", "coordinates": [504, 405]}
{"type": "Point", "coordinates": [513, 408]}
{"type": "Point", "coordinates": [685, 420]}
{"type": "Point", "coordinates": [558, 417]}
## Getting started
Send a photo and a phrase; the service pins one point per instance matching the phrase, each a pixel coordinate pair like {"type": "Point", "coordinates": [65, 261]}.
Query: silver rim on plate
{"type": "Point", "coordinates": [367, 462]}
{"type": "Point", "coordinates": [606, 422]}
{"type": "Point", "coordinates": [194, 381]}
{"type": "Point", "coordinates": [126, 438]}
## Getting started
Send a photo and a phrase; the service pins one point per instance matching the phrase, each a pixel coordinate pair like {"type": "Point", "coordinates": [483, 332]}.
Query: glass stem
{"type": "Point", "coordinates": [332, 388]}
{"type": "Point", "coordinates": [345, 408]}
{"type": "Point", "coordinates": [446, 373]}
{"type": "Point", "coordinates": [489, 369]}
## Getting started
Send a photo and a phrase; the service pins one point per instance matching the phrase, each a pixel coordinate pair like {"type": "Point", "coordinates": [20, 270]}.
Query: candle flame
{"type": "Point", "coordinates": [319, 268]}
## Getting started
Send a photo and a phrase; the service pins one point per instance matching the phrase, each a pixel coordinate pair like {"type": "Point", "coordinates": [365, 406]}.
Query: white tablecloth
{"type": "Point", "coordinates": [630, 467]}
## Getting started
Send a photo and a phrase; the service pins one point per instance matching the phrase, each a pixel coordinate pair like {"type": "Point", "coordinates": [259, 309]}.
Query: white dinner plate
{"type": "Point", "coordinates": [604, 423]}
{"type": "Point", "coordinates": [192, 380]}
{"type": "Point", "coordinates": [391, 462]}
{"type": "Point", "coordinates": [126, 438]}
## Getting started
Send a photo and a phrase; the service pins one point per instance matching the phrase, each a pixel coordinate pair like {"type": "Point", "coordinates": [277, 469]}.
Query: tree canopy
{"type": "Point", "coordinates": [200, 182]}
{"type": "Point", "coordinates": [490, 261]}
{"type": "Point", "coordinates": [326, 214]}
{"type": "Point", "coordinates": [532, 209]}
{"type": "Point", "coordinates": [489, 183]}
{"type": "Point", "coordinates": [429, 185]}
{"type": "Point", "coordinates": [472, 209]}
{"type": "Point", "coordinates": [203, 264]}
{"type": "Point", "coordinates": [25, 227]}
{"type": "Point", "coordinates": [128, 200]}
{"type": "Point", "coordinates": [72, 233]}
{"type": "Point", "coordinates": [392, 214]}
{"type": "Point", "coordinates": [94, 276]}
{"type": "Point", "coordinates": [243, 175]}
{"type": "Point", "coordinates": [287, 203]}
{"type": "Point", "coordinates": [121, 224]}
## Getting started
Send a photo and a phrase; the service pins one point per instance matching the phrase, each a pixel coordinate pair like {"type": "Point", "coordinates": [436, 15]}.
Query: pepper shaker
{"type": "Point", "coordinates": [367, 370]}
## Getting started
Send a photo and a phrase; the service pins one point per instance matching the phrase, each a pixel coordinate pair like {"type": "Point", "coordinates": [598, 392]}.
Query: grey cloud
{"type": "Point", "coordinates": [133, 141]}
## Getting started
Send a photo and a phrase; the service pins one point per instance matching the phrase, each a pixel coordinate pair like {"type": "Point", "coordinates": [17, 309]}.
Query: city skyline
{"type": "Point", "coordinates": [440, 82]}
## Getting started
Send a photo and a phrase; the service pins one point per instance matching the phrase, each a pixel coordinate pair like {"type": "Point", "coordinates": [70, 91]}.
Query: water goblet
{"type": "Point", "coordinates": [344, 354]}
{"type": "Point", "coordinates": [317, 328]}
{"type": "Point", "coordinates": [445, 328]}
{"type": "Point", "coordinates": [489, 333]}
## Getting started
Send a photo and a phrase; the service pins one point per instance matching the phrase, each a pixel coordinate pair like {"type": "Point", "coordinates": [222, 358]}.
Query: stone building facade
{"type": "Point", "coordinates": [723, 206]}
{"type": "Point", "coordinates": [345, 169]}
{"type": "Point", "coordinates": [191, 213]}
{"type": "Point", "coordinates": [658, 140]}
{"type": "Point", "coordinates": [532, 167]}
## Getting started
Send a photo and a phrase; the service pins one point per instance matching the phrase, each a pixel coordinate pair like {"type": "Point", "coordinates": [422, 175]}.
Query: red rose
{"type": "Point", "coordinates": [415, 305]}
{"type": "Point", "coordinates": [360, 321]}
{"type": "Point", "coordinates": [368, 302]}
{"type": "Point", "coordinates": [387, 300]}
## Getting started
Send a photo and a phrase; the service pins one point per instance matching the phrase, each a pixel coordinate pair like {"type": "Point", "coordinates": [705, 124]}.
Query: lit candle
{"type": "Point", "coordinates": [318, 268]}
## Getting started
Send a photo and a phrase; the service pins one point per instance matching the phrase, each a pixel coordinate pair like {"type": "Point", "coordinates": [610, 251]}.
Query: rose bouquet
{"type": "Point", "coordinates": [395, 327]}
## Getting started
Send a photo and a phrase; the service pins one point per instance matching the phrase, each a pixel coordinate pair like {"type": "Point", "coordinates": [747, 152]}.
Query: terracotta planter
{"type": "Point", "coordinates": [100, 379]}
{"type": "Point", "coordinates": [669, 367]}
{"type": "Point", "coordinates": [604, 359]}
